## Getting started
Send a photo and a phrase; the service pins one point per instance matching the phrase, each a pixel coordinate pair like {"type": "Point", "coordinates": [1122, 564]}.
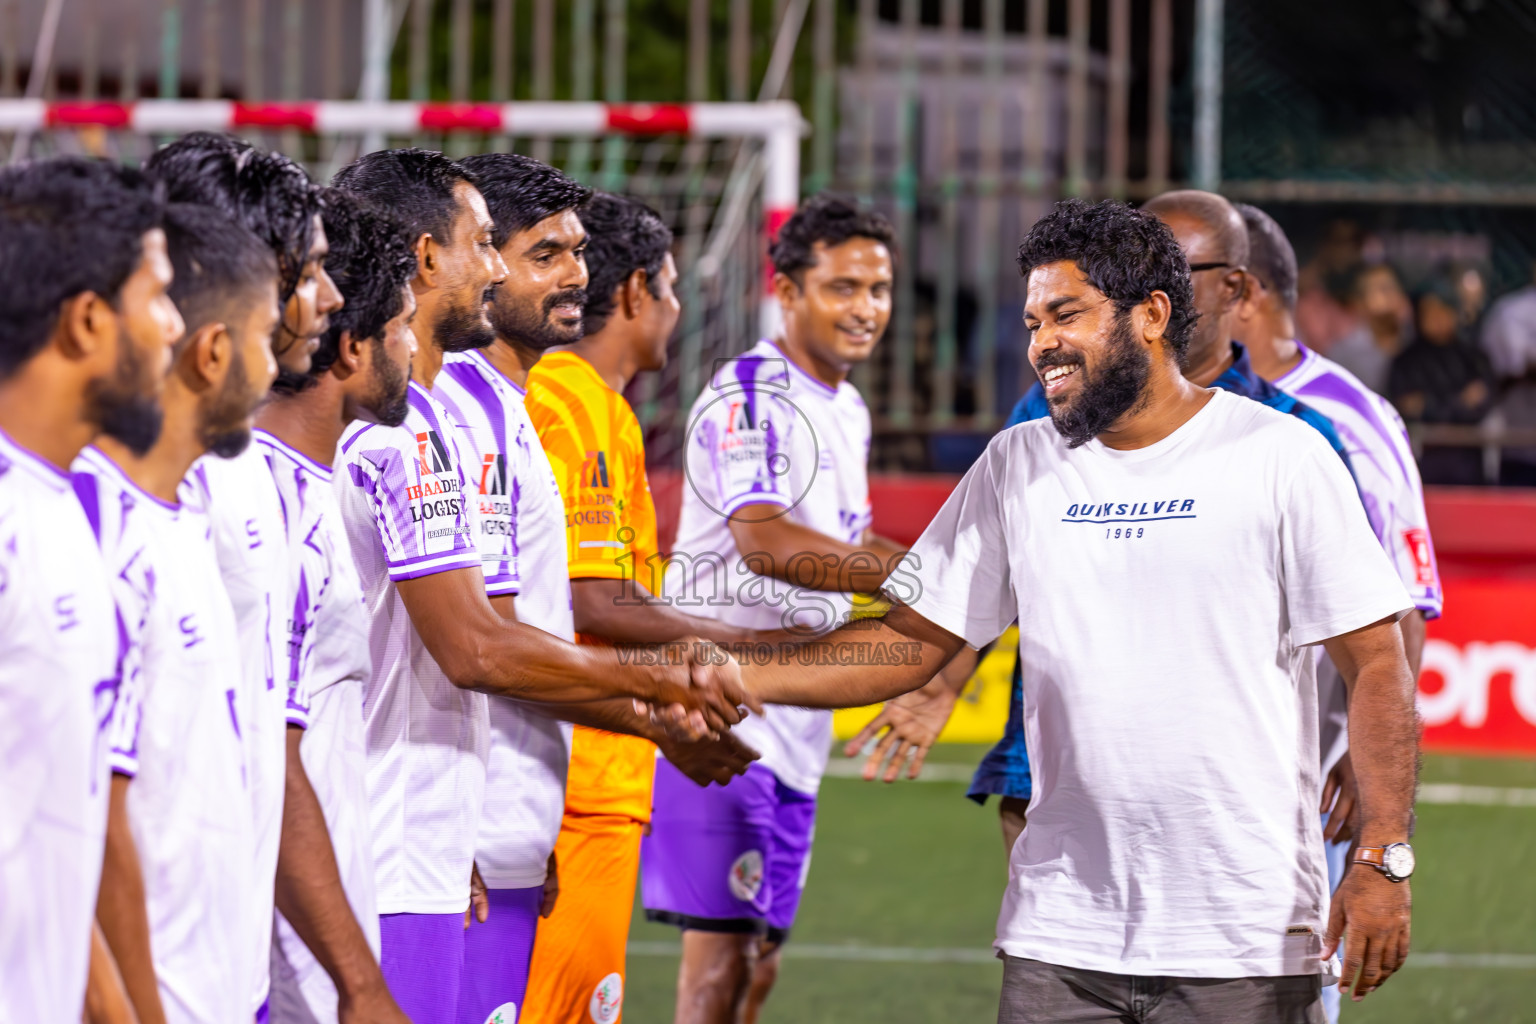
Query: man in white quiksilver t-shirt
{"type": "Point", "coordinates": [1170, 553]}
{"type": "Point", "coordinates": [774, 535]}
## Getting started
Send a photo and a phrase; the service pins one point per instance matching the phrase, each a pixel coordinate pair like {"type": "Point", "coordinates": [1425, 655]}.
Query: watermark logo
{"type": "Point", "coordinates": [750, 444]}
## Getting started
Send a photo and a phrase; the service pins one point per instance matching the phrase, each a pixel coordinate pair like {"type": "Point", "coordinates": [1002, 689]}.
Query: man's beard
{"type": "Point", "coordinates": [464, 327]}
{"type": "Point", "coordinates": [118, 405]}
{"type": "Point", "coordinates": [1107, 393]}
{"type": "Point", "coordinates": [390, 400]}
{"type": "Point", "coordinates": [226, 427]}
{"type": "Point", "coordinates": [531, 327]}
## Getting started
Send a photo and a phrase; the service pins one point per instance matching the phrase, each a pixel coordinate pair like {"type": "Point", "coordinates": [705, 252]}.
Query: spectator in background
{"type": "Point", "coordinates": [1383, 311]}
{"type": "Point", "coordinates": [1443, 378]}
{"type": "Point", "coordinates": [1323, 309]}
{"type": "Point", "coordinates": [1509, 342]}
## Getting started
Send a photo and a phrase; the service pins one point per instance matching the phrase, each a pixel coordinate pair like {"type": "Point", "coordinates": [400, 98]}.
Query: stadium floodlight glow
{"type": "Point", "coordinates": [777, 124]}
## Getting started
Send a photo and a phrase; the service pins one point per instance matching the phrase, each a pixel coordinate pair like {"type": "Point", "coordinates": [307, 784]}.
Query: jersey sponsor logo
{"type": "Point", "coordinates": [607, 1000]}
{"type": "Point", "coordinates": [253, 531]}
{"type": "Point", "coordinates": [506, 1013]}
{"type": "Point", "coordinates": [438, 479]}
{"type": "Point", "coordinates": [594, 470]}
{"type": "Point", "coordinates": [590, 517]}
{"type": "Point", "coordinates": [1416, 540]}
{"type": "Point", "coordinates": [493, 474]}
{"type": "Point", "coordinates": [432, 454]}
{"type": "Point", "coordinates": [745, 878]}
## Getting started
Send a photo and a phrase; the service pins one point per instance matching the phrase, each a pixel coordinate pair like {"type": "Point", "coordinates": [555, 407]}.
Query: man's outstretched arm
{"type": "Point", "coordinates": [865, 662]}
{"type": "Point", "coordinates": [703, 757]}
{"type": "Point", "coordinates": [479, 649]}
{"type": "Point", "coordinates": [774, 545]}
{"type": "Point", "coordinates": [1370, 912]}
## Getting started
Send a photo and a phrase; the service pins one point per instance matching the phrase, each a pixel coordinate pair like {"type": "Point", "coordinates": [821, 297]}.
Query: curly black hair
{"type": "Point", "coordinates": [267, 192]}
{"type": "Point", "coordinates": [67, 225]}
{"type": "Point", "coordinates": [415, 185]}
{"type": "Point", "coordinates": [521, 191]}
{"type": "Point", "coordinates": [1125, 253]}
{"type": "Point", "coordinates": [623, 235]}
{"type": "Point", "coordinates": [371, 260]}
{"type": "Point", "coordinates": [830, 219]}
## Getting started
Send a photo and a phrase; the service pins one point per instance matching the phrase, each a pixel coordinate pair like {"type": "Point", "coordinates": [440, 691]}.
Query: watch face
{"type": "Point", "coordinates": [1398, 860]}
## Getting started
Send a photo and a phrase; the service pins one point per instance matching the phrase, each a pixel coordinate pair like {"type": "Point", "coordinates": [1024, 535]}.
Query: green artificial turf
{"type": "Point", "coordinates": [917, 865]}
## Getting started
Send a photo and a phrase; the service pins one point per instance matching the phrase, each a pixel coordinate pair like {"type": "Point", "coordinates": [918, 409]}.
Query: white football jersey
{"type": "Point", "coordinates": [522, 547]}
{"type": "Point", "coordinates": [767, 432]}
{"type": "Point", "coordinates": [329, 662]}
{"type": "Point", "coordinates": [189, 806]}
{"type": "Point", "coordinates": [1382, 459]}
{"type": "Point", "coordinates": [58, 677]}
{"type": "Point", "coordinates": [401, 492]}
{"type": "Point", "coordinates": [252, 546]}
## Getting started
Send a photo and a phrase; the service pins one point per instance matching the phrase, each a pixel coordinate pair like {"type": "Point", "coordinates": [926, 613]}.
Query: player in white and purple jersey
{"type": "Point", "coordinates": [521, 540]}
{"type": "Point", "coordinates": [777, 463]}
{"type": "Point", "coordinates": [86, 329]}
{"type": "Point", "coordinates": [325, 958]}
{"type": "Point", "coordinates": [437, 641]}
{"type": "Point", "coordinates": [1377, 442]}
{"type": "Point", "coordinates": [273, 197]}
{"type": "Point", "coordinates": [177, 882]}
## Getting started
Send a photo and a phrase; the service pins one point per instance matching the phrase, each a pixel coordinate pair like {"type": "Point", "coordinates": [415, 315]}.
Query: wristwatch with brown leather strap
{"type": "Point", "coordinates": [1394, 860]}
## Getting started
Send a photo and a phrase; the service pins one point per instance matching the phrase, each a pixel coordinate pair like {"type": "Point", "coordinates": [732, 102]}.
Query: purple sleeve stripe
{"type": "Point", "coordinates": [499, 586]}
{"type": "Point", "coordinates": [755, 498]}
{"type": "Point", "coordinates": [298, 718]}
{"type": "Point", "coordinates": [457, 554]}
{"type": "Point", "coordinates": [428, 566]}
{"type": "Point", "coordinates": [123, 763]}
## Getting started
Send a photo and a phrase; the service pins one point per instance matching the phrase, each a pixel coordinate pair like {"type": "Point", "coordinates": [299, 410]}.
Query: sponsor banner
{"type": "Point", "coordinates": [1477, 691]}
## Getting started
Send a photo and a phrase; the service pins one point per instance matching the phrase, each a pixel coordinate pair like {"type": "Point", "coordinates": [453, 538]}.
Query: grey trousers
{"type": "Point", "coordinates": [1041, 993]}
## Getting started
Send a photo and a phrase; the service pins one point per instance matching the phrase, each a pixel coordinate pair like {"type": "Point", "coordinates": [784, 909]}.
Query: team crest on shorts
{"type": "Point", "coordinates": [506, 1013]}
{"type": "Point", "coordinates": [746, 876]}
{"type": "Point", "coordinates": [607, 1000]}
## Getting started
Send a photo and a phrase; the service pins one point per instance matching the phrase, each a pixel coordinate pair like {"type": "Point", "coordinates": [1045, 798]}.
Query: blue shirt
{"type": "Point", "coordinates": [1005, 769]}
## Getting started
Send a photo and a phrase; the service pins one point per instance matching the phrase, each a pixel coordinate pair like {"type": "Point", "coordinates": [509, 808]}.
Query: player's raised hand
{"type": "Point", "coordinates": [1372, 915]}
{"type": "Point", "coordinates": [910, 724]}
{"type": "Point", "coordinates": [712, 759]}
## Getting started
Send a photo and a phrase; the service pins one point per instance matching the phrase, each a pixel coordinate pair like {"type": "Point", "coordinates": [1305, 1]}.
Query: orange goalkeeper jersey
{"type": "Point", "coordinates": [594, 444]}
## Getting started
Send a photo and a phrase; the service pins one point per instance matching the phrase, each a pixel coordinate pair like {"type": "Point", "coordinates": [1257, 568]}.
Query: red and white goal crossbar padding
{"type": "Point", "coordinates": [778, 124]}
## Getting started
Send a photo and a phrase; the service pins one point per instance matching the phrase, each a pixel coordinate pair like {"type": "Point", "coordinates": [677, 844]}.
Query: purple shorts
{"type": "Point", "coordinates": [728, 858]}
{"type": "Point", "coordinates": [422, 957]}
{"type": "Point", "coordinates": [496, 957]}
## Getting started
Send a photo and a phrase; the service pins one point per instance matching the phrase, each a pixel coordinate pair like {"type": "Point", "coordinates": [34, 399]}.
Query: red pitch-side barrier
{"type": "Point", "coordinates": [1477, 692]}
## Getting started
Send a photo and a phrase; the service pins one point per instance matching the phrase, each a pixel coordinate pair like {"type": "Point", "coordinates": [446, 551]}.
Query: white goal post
{"type": "Point", "coordinates": [777, 125]}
